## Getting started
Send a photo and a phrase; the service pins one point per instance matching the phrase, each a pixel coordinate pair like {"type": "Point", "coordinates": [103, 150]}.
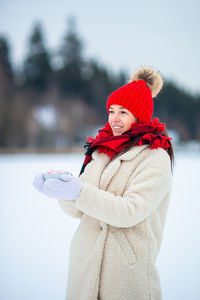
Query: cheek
{"type": "Point", "coordinates": [132, 119]}
{"type": "Point", "coordinates": [109, 118]}
{"type": "Point", "coordinates": [129, 121]}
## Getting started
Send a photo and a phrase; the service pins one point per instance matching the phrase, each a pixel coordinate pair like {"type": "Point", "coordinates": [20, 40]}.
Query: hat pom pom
{"type": "Point", "coordinates": [152, 78]}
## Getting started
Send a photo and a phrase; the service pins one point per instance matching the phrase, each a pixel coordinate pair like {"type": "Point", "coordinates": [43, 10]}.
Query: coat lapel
{"type": "Point", "coordinates": [113, 166]}
{"type": "Point", "coordinates": [109, 172]}
{"type": "Point", "coordinates": [132, 153]}
{"type": "Point", "coordinates": [95, 168]}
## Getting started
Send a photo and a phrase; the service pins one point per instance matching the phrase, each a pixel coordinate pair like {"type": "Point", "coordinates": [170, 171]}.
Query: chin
{"type": "Point", "coordinates": [116, 134]}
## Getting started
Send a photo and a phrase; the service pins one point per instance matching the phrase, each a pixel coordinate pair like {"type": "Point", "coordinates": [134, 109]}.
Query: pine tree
{"type": "Point", "coordinates": [70, 75]}
{"type": "Point", "coordinates": [37, 67]}
{"type": "Point", "coordinates": [6, 72]}
{"type": "Point", "coordinates": [177, 107]}
{"type": "Point", "coordinates": [6, 90]}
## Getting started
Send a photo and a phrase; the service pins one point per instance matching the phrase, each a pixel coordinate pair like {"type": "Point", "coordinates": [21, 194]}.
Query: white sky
{"type": "Point", "coordinates": [120, 34]}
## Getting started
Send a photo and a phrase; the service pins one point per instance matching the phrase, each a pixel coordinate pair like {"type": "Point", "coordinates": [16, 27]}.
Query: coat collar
{"type": "Point", "coordinates": [112, 167]}
{"type": "Point", "coordinates": [129, 155]}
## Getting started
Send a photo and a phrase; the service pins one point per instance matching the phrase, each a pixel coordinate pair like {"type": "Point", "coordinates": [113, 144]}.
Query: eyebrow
{"type": "Point", "coordinates": [121, 107]}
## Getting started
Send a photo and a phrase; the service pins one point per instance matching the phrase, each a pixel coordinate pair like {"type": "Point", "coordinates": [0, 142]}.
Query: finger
{"type": "Point", "coordinates": [38, 182]}
{"type": "Point", "coordinates": [52, 187]}
{"type": "Point", "coordinates": [52, 183]}
{"type": "Point", "coordinates": [66, 177]}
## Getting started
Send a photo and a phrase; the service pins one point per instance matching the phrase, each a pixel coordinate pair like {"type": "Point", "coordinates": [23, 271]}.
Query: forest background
{"type": "Point", "coordinates": [55, 99]}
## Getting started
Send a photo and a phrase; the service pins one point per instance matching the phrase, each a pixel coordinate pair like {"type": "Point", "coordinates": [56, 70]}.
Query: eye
{"type": "Point", "coordinates": [111, 111]}
{"type": "Point", "coordinates": [123, 112]}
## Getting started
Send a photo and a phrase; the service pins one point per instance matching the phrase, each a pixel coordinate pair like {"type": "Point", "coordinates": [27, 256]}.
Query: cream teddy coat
{"type": "Point", "coordinates": [122, 209]}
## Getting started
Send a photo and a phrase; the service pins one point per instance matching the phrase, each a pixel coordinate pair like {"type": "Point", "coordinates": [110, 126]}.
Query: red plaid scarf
{"type": "Point", "coordinates": [141, 133]}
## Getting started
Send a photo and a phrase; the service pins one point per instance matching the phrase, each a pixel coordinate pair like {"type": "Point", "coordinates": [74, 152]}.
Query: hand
{"type": "Point", "coordinates": [67, 187]}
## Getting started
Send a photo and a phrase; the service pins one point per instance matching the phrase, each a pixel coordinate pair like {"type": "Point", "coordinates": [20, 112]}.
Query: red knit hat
{"type": "Point", "coordinates": [137, 96]}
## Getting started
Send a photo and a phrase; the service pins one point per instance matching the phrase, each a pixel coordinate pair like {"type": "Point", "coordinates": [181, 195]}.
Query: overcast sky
{"type": "Point", "coordinates": [120, 34]}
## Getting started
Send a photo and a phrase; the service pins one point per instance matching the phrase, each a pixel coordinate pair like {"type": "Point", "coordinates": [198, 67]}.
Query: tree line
{"type": "Point", "coordinates": [55, 98]}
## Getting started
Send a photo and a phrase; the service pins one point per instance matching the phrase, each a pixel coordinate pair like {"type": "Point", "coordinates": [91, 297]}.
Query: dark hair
{"type": "Point", "coordinates": [134, 141]}
{"type": "Point", "coordinates": [170, 150]}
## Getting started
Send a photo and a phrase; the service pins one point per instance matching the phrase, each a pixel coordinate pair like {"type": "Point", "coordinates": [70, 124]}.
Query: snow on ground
{"type": "Point", "coordinates": [35, 233]}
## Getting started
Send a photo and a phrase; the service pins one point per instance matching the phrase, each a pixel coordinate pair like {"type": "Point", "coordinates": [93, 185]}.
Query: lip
{"type": "Point", "coordinates": [117, 126]}
{"type": "Point", "coordinates": [117, 129]}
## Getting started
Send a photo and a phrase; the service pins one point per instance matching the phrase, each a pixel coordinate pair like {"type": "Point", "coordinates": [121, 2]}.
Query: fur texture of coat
{"type": "Point", "coordinates": [122, 209]}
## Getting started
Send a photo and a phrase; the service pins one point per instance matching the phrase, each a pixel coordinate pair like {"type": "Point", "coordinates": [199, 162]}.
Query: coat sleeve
{"type": "Point", "coordinates": [144, 193]}
{"type": "Point", "coordinates": [69, 208]}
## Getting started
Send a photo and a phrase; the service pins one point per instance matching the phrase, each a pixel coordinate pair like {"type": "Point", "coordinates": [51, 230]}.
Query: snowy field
{"type": "Point", "coordinates": [35, 233]}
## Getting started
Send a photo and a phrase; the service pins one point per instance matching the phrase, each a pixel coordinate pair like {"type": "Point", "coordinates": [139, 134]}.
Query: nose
{"type": "Point", "coordinates": [116, 117]}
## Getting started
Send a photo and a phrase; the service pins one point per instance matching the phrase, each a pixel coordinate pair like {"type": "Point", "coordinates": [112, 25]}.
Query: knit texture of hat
{"type": "Point", "coordinates": [137, 96]}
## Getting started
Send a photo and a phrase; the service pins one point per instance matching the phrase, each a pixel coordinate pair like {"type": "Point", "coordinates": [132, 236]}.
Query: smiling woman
{"type": "Point", "coordinates": [120, 119]}
{"type": "Point", "coordinates": [121, 198]}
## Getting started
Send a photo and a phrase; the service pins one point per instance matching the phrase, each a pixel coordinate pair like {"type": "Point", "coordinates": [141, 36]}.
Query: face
{"type": "Point", "coordinates": [120, 119]}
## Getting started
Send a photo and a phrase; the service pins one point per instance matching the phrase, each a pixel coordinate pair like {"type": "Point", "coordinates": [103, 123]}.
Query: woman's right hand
{"type": "Point", "coordinates": [65, 186]}
{"type": "Point", "coordinates": [39, 180]}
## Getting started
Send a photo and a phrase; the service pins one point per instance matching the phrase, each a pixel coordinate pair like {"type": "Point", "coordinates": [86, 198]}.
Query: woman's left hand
{"type": "Point", "coordinates": [67, 187]}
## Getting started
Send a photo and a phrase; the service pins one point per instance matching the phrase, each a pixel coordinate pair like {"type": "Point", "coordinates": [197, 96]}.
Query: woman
{"type": "Point", "coordinates": [121, 198]}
